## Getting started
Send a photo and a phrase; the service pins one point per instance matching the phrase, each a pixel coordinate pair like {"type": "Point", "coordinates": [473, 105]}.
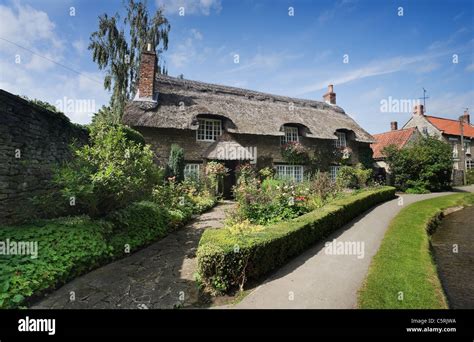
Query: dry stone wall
{"type": "Point", "coordinates": [32, 141]}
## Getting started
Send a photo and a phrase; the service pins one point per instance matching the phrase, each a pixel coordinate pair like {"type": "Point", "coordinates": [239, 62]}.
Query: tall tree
{"type": "Point", "coordinates": [118, 52]}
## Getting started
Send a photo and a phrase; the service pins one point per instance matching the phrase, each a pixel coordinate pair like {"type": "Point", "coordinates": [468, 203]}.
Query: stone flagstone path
{"type": "Point", "coordinates": [157, 277]}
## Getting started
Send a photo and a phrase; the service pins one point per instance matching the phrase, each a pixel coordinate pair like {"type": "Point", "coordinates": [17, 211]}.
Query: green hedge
{"type": "Point", "coordinates": [138, 224]}
{"type": "Point", "coordinates": [226, 260]}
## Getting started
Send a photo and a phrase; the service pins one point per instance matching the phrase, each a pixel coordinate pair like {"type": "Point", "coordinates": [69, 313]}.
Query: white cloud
{"type": "Point", "coordinates": [30, 34]}
{"type": "Point", "coordinates": [450, 104]}
{"type": "Point", "coordinates": [27, 26]}
{"type": "Point", "coordinates": [261, 61]}
{"type": "Point", "coordinates": [329, 14]}
{"type": "Point", "coordinates": [377, 68]}
{"type": "Point", "coordinates": [191, 7]}
{"type": "Point", "coordinates": [428, 67]}
{"type": "Point", "coordinates": [80, 45]}
{"type": "Point", "coordinates": [470, 67]}
{"type": "Point", "coordinates": [33, 30]}
{"type": "Point", "coordinates": [187, 52]}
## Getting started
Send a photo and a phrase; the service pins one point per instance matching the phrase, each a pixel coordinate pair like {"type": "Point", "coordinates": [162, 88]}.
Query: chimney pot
{"type": "Point", "coordinates": [419, 110]}
{"type": "Point", "coordinates": [330, 96]}
{"type": "Point", "coordinates": [466, 118]}
{"type": "Point", "coordinates": [394, 125]}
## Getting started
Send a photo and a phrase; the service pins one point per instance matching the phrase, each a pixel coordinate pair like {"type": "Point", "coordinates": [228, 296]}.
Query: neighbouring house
{"type": "Point", "coordinates": [234, 126]}
{"type": "Point", "coordinates": [399, 138]}
{"type": "Point", "coordinates": [451, 131]}
{"type": "Point", "coordinates": [420, 124]}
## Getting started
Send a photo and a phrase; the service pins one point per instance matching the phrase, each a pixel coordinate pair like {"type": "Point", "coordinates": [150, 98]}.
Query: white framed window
{"type": "Point", "coordinates": [191, 171]}
{"type": "Point", "coordinates": [290, 172]}
{"type": "Point", "coordinates": [341, 139]}
{"type": "Point", "coordinates": [209, 129]}
{"type": "Point", "coordinates": [469, 164]}
{"type": "Point", "coordinates": [333, 170]}
{"type": "Point", "coordinates": [291, 135]}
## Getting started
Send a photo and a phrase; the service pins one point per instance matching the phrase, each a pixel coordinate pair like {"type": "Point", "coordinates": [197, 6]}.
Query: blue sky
{"type": "Point", "coordinates": [388, 55]}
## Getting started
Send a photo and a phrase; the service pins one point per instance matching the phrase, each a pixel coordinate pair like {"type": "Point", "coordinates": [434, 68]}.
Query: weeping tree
{"type": "Point", "coordinates": [116, 48]}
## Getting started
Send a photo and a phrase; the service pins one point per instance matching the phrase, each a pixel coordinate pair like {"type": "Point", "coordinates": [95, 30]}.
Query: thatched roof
{"type": "Point", "coordinates": [249, 112]}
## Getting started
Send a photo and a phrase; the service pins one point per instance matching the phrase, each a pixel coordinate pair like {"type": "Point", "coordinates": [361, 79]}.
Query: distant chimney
{"type": "Point", "coordinates": [466, 118]}
{"type": "Point", "coordinates": [419, 110]}
{"type": "Point", "coordinates": [146, 77]}
{"type": "Point", "coordinates": [394, 125]}
{"type": "Point", "coordinates": [330, 96]}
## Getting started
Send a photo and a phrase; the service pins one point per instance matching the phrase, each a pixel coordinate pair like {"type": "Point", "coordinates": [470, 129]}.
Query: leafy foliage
{"type": "Point", "coordinates": [270, 201]}
{"type": "Point", "coordinates": [294, 152]}
{"type": "Point", "coordinates": [227, 258]}
{"type": "Point", "coordinates": [67, 247]}
{"type": "Point", "coordinates": [108, 174]}
{"type": "Point", "coordinates": [470, 176]}
{"type": "Point", "coordinates": [138, 224]}
{"type": "Point", "coordinates": [424, 166]}
{"type": "Point", "coordinates": [353, 177]}
{"type": "Point", "coordinates": [176, 163]}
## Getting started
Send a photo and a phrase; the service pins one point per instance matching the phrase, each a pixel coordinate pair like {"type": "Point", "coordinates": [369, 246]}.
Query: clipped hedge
{"type": "Point", "coordinates": [227, 260]}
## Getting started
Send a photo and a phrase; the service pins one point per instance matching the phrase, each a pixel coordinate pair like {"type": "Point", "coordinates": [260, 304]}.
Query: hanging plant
{"type": "Point", "coordinates": [294, 152]}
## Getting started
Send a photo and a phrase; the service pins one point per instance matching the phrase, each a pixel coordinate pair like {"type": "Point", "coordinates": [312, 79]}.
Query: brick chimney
{"type": "Point", "coordinates": [394, 126]}
{"type": "Point", "coordinates": [330, 96]}
{"type": "Point", "coordinates": [419, 110]}
{"type": "Point", "coordinates": [146, 77]}
{"type": "Point", "coordinates": [466, 118]}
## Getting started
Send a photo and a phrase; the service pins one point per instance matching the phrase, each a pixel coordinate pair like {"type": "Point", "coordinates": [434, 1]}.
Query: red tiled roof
{"type": "Point", "coordinates": [398, 138]}
{"type": "Point", "coordinates": [450, 126]}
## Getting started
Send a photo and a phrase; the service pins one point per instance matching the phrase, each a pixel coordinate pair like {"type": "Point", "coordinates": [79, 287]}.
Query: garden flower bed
{"type": "Point", "coordinates": [227, 258]}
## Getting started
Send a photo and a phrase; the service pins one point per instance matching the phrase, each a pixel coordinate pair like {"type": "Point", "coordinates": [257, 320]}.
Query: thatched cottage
{"type": "Point", "coordinates": [233, 125]}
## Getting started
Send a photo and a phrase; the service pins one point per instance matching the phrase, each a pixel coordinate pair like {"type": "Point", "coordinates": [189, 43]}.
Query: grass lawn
{"type": "Point", "coordinates": [402, 274]}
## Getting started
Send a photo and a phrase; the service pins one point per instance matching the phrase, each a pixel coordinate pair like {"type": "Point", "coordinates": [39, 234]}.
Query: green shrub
{"type": "Point", "coordinates": [427, 163]}
{"type": "Point", "coordinates": [470, 176]}
{"type": "Point", "coordinates": [110, 173]}
{"type": "Point", "coordinates": [176, 163]}
{"type": "Point", "coordinates": [353, 177]}
{"type": "Point", "coordinates": [272, 201]}
{"type": "Point", "coordinates": [136, 225]}
{"type": "Point", "coordinates": [227, 260]}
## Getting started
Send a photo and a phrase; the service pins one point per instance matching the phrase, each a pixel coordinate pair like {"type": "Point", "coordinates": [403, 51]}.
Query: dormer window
{"type": "Point", "coordinates": [291, 135]}
{"type": "Point", "coordinates": [341, 141]}
{"type": "Point", "coordinates": [209, 129]}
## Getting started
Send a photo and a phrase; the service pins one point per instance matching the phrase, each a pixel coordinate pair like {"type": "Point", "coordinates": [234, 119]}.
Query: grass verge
{"type": "Point", "coordinates": [402, 274]}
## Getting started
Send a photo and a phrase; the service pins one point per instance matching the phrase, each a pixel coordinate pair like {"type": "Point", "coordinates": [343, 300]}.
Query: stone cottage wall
{"type": "Point", "coordinates": [268, 147]}
{"type": "Point", "coordinates": [32, 140]}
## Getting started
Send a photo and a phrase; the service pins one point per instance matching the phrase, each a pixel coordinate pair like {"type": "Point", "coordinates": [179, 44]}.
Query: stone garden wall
{"type": "Point", "coordinates": [32, 140]}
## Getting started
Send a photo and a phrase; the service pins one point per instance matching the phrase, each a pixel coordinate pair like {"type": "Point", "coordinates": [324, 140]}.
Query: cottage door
{"type": "Point", "coordinates": [230, 178]}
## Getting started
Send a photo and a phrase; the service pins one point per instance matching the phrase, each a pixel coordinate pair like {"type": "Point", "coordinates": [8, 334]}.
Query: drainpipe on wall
{"type": "Point", "coordinates": [463, 152]}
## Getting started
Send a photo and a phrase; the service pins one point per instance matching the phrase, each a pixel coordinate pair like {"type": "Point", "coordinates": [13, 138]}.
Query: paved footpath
{"type": "Point", "coordinates": [156, 277]}
{"type": "Point", "coordinates": [316, 280]}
